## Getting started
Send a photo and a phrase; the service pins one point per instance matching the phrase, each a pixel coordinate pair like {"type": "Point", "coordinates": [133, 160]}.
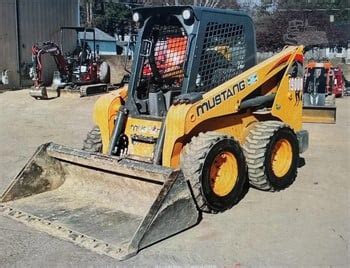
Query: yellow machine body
{"type": "Point", "coordinates": [184, 121]}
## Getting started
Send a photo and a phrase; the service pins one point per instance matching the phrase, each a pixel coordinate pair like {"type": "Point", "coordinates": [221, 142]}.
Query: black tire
{"type": "Point", "coordinates": [93, 141]}
{"type": "Point", "coordinates": [196, 161]}
{"type": "Point", "coordinates": [258, 149]}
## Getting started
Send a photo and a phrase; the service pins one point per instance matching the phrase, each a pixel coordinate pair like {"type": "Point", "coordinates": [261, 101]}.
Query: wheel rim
{"type": "Point", "coordinates": [223, 173]}
{"type": "Point", "coordinates": [281, 158]}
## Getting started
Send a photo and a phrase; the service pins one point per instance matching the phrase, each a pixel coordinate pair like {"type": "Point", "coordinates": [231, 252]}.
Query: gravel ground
{"type": "Point", "coordinates": [306, 225]}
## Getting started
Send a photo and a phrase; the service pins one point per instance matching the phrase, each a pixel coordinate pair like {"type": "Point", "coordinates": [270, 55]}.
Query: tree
{"type": "Point", "coordinates": [108, 16]}
{"type": "Point", "coordinates": [207, 3]}
{"type": "Point", "coordinates": [113, 16]}
{"type": "Point", "coordinates": [273, 21]}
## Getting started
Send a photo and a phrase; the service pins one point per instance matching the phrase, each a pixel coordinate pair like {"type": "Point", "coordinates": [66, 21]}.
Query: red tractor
{"type": "Point", "coordinates": [81, 70]}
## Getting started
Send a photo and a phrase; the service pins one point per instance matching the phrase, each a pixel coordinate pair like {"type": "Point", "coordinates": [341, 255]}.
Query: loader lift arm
{"type": "Point", "coordinates": [53, 50]}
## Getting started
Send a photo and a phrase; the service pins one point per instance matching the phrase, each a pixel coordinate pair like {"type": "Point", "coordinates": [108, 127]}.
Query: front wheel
{"type": "Point", "coordinates": [215, 166]}
{"type": "Point", "coordinates": [93, 141]}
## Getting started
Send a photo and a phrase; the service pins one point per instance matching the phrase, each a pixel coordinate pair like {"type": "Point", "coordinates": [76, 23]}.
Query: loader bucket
{"type": "Point", "coordinates": [38, 93]}
{"type": "Point", "coordinates": [319, 114]}
{"type": "Point", "coordinates": [44, 93]}
{"type": "Point", "coordinates": [110, 205]}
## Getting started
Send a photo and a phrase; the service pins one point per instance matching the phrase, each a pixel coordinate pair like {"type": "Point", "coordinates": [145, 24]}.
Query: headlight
{"type": "Point", "coordinates": [136, 17]}
{"type": "Point", "coordinates": [187, 14]}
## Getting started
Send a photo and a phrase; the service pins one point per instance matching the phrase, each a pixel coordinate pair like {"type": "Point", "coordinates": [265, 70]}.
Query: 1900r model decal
{"type": "Point", "coordinates": [219, 98]}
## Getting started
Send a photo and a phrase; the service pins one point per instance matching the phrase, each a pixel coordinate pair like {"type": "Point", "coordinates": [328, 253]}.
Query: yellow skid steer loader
{"type": "Point", "coordinates": [198, 120]}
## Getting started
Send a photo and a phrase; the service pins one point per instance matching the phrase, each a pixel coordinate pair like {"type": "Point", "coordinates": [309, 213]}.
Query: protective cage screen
{"type": "Point", "coordinates": [168, 55]}
{"type": "Point", "coordinates": [223, 55]}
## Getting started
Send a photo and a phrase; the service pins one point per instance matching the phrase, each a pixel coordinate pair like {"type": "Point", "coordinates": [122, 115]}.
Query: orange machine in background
{"type": "Point", "coordinates": [319, 92]}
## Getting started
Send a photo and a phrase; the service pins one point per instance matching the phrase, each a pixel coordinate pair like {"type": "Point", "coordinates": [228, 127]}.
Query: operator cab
{"type": "Point", "coordinates": [183, 52]}
{"type": "Point", "coordinates": [163, 55]}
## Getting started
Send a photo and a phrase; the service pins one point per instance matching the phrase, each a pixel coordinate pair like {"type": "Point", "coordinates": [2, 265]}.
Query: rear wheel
{"type": "Point", "coordinates": [93, 141]}
{"type": "Point", "coordinates": [272, 151]}
{"type": "Point", "coordinates": [215, 167]}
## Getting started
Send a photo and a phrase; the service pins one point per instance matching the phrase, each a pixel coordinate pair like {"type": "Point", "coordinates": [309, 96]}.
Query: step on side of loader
{"type": "Point", "coordinates": [107, 204]}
